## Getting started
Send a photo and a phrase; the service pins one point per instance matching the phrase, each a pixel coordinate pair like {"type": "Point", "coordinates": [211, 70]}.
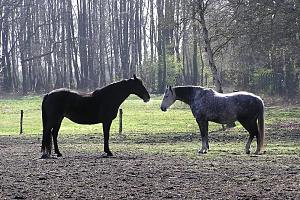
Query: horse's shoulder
{"type": "Point", "coordinates": [200, 91]}
{"type": "Point", "coordinates": [209, 93]}
{"type": "Point", "coordinates": [201, 95]}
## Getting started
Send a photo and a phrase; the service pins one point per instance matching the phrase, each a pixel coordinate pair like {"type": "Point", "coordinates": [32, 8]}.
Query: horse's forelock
{"type": "Point", "coordinates": [166, 90]}
{"type": "Point", "coordinates": [171, 90]}
{"type": "Point", "coordinates": [168, 99]}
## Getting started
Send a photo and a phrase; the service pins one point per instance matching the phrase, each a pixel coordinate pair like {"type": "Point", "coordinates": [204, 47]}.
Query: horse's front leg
{"type": "Point", "coordinates": [203, 126]}
{"type": "Point", "coordinates": [106, 128]}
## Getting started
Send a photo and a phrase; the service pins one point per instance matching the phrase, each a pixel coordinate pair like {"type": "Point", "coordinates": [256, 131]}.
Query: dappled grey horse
{"type": "Point", "coordinates": [209, 105]}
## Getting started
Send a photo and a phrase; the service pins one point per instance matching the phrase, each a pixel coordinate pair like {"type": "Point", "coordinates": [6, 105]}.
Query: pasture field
{"type": "Point", "coordinates": [154, 158]}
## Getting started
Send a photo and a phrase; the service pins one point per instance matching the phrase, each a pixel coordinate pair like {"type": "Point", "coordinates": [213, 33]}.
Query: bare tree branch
{"type": "Point", "coordinates": [43, 54]}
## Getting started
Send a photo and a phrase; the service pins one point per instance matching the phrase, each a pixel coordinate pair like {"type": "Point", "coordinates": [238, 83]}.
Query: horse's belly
{"type": "Point", "coordinates": [224, 117]}
{"type": "Point", "coordinates": [83, 118]}
{"type": "Point", "coordinates": [221, 116]}
{"type": "Point", "coordinates": [223, 120]}
{"type": "Point", "coordinates": [80, 121]}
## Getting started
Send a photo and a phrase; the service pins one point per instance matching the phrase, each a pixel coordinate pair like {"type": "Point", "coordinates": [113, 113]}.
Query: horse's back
{"type": "Point", "coordinates": [225, 108]}
{"type": "Point", "coordinates": [246, 104]}
{"type": "Point", "coordinates": [64, 103]}
{"type": "Point", "coordinates": [246, 99]}
{"type": "Point", "coordinates": [81, 108]}
{"type": "Point", "coordinates": [59, 98]}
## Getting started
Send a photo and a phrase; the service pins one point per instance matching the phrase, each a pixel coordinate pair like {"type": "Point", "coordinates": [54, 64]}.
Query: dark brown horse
{"type": "Point", "coordinates": [209, 105]}
{"type": "Point", "coordinates": [100, 106]}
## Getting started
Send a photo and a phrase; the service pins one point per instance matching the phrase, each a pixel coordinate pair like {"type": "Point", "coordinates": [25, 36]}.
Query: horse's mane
{"type": "Point", "coordinates": [188, 89]}
{"type": "Point", "coordinates": [184, 93]}
{"type": "Point", "coordinates": [98, 91]}
{"type": "Point", "coordinates": [108, 87]}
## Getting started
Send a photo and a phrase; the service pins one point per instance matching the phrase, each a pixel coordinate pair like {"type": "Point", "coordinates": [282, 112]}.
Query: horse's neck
{"type": "Point", "coordinates": [118, 92]}
{"type": "Point", "coordinates": [122, 91]}
{"type": "Point", "coordinates": [184, 94]}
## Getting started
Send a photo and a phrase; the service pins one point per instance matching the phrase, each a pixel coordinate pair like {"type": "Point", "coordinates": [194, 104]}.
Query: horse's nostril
{"type": "Point", "coordinates": [163, 108]}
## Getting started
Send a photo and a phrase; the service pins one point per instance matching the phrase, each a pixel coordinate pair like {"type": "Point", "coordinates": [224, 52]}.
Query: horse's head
{"type": "Point", "coordinates": [139, 89]}
{"type": "Point", "coordinates": [169, 98]}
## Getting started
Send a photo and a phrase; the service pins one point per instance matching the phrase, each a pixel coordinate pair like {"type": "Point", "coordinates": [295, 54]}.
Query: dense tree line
{"type": "Point", "coordinates": [85, 44]}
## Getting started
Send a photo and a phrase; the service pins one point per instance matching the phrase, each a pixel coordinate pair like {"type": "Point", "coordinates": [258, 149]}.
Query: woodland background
{"type": "Point", "coordinates": [84, 44]}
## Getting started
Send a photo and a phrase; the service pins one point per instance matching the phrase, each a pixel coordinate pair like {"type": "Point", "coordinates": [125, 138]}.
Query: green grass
{"type": "Point", "coordinates": [138, 117]}
{"type": "Point", "coordinates": [147, 129]}
{"type": "Point", "coordinates": [10, 115]}
{"type": "Point", "coordinates": [282, 114]}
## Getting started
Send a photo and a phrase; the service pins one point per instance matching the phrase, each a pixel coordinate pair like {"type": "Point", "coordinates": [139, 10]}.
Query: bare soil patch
{"type": "Point", "coordinates": [81, 175]}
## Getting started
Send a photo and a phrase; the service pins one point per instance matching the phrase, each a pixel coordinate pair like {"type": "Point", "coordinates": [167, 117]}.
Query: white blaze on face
{"type": "Point", "coordinates": [169, 99]}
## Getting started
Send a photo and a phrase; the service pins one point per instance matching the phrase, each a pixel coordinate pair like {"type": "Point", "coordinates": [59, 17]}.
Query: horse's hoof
{"type": "Point", "coordinates": [247, 151]}
{"type": "Point", "coordinates": [45, 156]}
{"type": "Point", "coordinates": [106, 155]}
{"type": "Point", "coordinates": [260, 152]}
{"type": "Point", "coordinates": [59, 155]}
{"type": "Point", "coordinates": [202, 151]}
{"type": "Point", "coordinates": [109, 154]}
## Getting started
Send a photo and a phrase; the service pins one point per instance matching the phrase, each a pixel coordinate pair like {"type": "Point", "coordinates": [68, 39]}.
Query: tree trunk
{"type": "Point", "coordinates": [161, 48]}
{"type": "Point", "coordinates": [6, 63]}
{"type": "Point", "coordinates": [116, 39]}
{"type": "Point", "coordinates": [195, 50]}
{"type": "Point", "coordinates": [208, 48]}
{"type": "Point", "coordinates": [82, 36]}
{"type": "Point", "coordinates": [124, 45]}
{"type": "Point", "coordinates": [74, 48]}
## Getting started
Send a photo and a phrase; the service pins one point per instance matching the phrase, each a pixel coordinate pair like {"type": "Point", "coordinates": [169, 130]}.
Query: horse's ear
{"type": "Point", "coordinates": [134, 76]}
{"type": "Point", "coordinates": [170, 88]}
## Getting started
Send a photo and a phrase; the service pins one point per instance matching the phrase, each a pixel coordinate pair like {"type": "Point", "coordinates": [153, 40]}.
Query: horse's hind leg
{"type": "Point", "coordinates": [55, 135]}
{"type": "Point", "coordinates": [248, 145]}
{"type": "Point", "coordinates": [46, 143]}
{"type": "Point", "coordinates": [251, 127]}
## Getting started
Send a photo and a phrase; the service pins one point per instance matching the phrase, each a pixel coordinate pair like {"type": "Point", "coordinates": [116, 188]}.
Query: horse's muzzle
{"type": "Point", "coordinates": [163, 109]}
{"type": "Point", "coordinates": [146, 99]}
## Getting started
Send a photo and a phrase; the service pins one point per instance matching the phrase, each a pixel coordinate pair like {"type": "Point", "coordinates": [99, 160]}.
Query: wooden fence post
{"type": "Point", "coordinates": [21, 122]}
{"type": "Point", "coordinates": [120, 120]}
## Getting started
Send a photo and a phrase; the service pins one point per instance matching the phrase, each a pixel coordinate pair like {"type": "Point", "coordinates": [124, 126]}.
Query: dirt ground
{"type": "Point", "coordinates": [81, 175]}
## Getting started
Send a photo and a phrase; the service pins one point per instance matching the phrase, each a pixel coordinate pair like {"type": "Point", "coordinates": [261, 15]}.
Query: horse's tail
{"type": "Point", "coordinates": [44, 111]}
{"type": "Point", "coordinates": [261, 127]}
{"type": "Point", "coordinates": [46, 141]}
